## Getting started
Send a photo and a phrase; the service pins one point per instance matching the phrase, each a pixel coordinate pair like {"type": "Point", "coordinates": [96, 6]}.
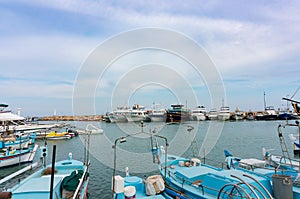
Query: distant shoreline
{"type": "Point", "coordinates": [72, 118]}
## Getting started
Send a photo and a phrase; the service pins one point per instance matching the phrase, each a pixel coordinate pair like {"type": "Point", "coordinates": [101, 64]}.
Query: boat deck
{"type": "Point", "coordinates": [37, 185]}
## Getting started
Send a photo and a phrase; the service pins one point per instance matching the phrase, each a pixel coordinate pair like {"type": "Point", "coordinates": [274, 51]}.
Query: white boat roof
{"type": "Point", "coordinates": [8, 116]}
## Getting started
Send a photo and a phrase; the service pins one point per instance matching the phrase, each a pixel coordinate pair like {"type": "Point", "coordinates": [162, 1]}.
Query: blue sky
{"type": "Point", "coordinates": [255, 46]}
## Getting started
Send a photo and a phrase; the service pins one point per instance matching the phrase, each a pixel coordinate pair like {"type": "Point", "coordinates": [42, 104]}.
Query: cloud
{"type": "Point", "coordinates": [44, 42]}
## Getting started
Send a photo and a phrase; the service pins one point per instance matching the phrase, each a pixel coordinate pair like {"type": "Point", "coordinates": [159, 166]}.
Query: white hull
{"type": "Point", "coordinates": [27, 157]}
{"type": "Point", "coordinates": [201, 117]}
{"type": "Point", "coordinates": [136, 119]}
{"type": "Point", "coordinates": [224, 117]}
{"type": "Point", "coordinates": [212, 117]}
{"type": "Point", "coordinates": [158, 118]}
{"type": "Point", "coordinates": [114, 119]}
{"type": "Point", "coordinates": [65, 137]}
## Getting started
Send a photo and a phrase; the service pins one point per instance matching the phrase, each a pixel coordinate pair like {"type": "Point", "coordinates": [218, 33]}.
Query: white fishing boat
{"type": "Point", "coordinates": [9, 156]}
{"type": "Point", "coordinates": [199, 114]}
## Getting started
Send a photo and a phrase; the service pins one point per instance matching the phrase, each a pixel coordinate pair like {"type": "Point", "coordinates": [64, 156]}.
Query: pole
{"type": "Point", "coordinates": [52, 171]}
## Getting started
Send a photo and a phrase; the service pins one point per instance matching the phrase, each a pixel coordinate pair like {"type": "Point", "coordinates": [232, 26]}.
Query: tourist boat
{"type": "Point", "coordinates": [224, 113]}
{"type": "Point", "coordinates": [212, 114]}
{"type": "Point", "coordinates": [10, 156]}
{"type": "Point", "coordinates": [177, 114]}
{"type": "Point", "coordinates": [119, 115]}
{"type": "Point", "coordinates": [199, 114]}
{"type": "Point", "coordinates": [137, 114]}
{"type": "Point", "coordinates": [70, 180]}
{"type": "Point", "coordinates": [157, 114]}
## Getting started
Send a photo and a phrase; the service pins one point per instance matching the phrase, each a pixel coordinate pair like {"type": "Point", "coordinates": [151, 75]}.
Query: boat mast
{"type": "Point", "coordinates": [265, 100]}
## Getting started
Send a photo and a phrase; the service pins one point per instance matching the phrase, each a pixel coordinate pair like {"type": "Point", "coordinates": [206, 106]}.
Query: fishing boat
{"type": "Point", "coordinates": [270, 113]}
{"type": "Point", "coordinates": [177, 113]}
{"type": "Point", "coordinates": [17, 141]}
{"type": "Point", "coordinates": [10, 156]}
{"type": "Point", "coordinates": [199, 114]}
{"type": "Point", "coordinates": [62, 179]}
{"type": "Point", "coordinates": [69, 179]}
{"type": "Point", "coordinates": [194, 179]}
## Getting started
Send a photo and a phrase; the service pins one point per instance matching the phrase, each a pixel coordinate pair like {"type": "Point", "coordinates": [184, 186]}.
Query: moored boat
{"type": "Point", "coordinates": [224, 113]}
{"type": "Point", "coordinates": [199, 113]}
{"type": "Point", "coordinates": [177, 113]}
{"type": "Point", "coordinates": [119, 115]}
{"type": "Point", "coordinates": [9, 156]}
{"type": "Point", "coordinates": [213, 114]}
{"type": "Point", "coordinates": [197, 180]}
{"type": "Point", "coordinates": [137, 114]}
{"type": "Point", "coordinates": [70, 180]}
{"type": "Point", "coordinates": [158, 114]}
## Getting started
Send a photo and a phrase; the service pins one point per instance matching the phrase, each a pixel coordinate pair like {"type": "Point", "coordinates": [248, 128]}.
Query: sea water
{"type": "Point", "coordinates": [209, 139]}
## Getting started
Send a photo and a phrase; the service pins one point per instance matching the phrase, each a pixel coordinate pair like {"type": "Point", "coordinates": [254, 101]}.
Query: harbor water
{"type": "Point", "coordinates": [244, 139]}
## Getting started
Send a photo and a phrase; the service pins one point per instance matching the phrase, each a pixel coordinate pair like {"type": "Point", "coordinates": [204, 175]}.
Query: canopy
{"type": "Point", "coordinates": [8, 116]}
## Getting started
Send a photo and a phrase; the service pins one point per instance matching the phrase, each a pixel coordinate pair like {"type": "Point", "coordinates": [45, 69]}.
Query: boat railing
{"type": "Point", "coordinates": [261, 185]}
{"type": "Point", "coordinates": [81, 182]}
{"type": "Point", "coordinates": [249, 190]}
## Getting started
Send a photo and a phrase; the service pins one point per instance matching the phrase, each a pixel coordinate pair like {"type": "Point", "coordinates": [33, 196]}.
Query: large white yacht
{"type": "Point", "coordinates": [199, 114]}
{"type": "Point", "coordinates": [224, 113]}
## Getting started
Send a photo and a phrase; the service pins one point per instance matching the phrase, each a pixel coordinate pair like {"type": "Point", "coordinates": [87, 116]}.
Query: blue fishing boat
{"type": "Point", "coordinates": [69, 179]}
{"type": "Point", "coordinates": [192, 179]}
{"type": "Point", "coordinates": [37, 185]}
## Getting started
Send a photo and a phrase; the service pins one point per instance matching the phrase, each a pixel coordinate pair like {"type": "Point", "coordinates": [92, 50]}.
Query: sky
{"type": "Point", "coordinates": [45, 46]}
